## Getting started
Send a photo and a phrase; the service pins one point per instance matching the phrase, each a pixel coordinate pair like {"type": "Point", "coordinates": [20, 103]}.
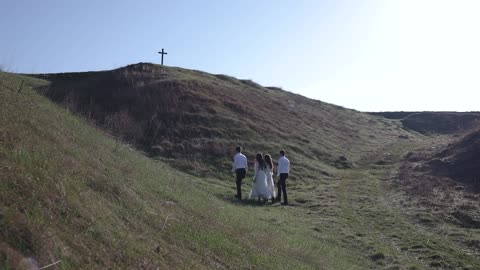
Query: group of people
{"type": "Point", "coordinates": [263, 186]}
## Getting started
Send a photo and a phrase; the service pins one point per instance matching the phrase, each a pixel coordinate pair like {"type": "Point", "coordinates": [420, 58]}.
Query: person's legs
{"type": "Point", "coordinates": [279, 193]}
{"type": "Point", "coordinates": [283, 183]}
{"type": "Point", "coordinates": [240, 175]}
{"type": "Point", "coordinates": [284, 190]}
{"type": "Point", "coordinates": [239, 188]}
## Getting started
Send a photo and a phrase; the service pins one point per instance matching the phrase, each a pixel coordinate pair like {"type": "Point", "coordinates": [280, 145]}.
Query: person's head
{"type": "Point", "coordinates": [239, 149]}
{"type": "Point", "coordinates": [259, 158]}
{"type": "Point", "coordinates": [260, 161]}
{"type": "Point", "coordinates": [268, 160]}
{"type": "Point", "coordinates": [282, 153]}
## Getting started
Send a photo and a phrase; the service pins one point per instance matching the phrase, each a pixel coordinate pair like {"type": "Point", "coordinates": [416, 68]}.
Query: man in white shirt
{"type": "Point", "coordinates": [283, 170]}
{"type": "Point", "coordinates": [240, 167]}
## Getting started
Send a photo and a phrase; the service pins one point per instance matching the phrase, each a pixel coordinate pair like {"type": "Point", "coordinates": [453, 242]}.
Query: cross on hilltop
{"type": "Point", "coordinates": [162, 53]}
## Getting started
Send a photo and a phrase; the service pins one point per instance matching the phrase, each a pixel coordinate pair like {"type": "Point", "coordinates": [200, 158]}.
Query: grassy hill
{"type": "Point", "coordinates": [196, 118]}
{"type": "Point", "coordinates": [70, 192]}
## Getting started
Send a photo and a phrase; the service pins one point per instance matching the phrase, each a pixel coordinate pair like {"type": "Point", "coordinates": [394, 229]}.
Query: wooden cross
{"type": "Point", "coordinates": [162, 53]}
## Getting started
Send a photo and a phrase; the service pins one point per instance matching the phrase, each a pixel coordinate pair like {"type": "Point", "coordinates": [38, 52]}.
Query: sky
{"type": "Point", "coordinates": [368, 55]}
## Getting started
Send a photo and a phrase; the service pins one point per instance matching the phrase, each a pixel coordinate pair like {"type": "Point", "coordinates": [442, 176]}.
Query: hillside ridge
{"type": "Point", "coordinates": [182, 114]}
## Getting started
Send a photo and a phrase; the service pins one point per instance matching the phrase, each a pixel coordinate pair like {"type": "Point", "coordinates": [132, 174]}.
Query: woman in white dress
{"type": "Point", "coordinates": [260, 187]}
{"type": "Point", "coordinates": [270, 183]}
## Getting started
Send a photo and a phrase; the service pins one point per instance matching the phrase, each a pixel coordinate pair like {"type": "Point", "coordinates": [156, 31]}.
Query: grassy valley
{"type": "Point", "coordinates": [128, 169]}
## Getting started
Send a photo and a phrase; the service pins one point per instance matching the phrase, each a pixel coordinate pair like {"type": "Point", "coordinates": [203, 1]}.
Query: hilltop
{"type": "Point", "coordinates": [128, 168]}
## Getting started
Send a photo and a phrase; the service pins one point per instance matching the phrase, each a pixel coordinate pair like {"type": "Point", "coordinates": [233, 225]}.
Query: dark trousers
{"type": "Point", "coordinates": [282, 187]}
{"type": "Point", "coordinates": [241, 173]}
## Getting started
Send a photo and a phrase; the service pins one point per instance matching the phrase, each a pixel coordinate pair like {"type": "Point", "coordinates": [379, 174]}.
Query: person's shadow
{"type": "Point", "coordinates": [245, 202]}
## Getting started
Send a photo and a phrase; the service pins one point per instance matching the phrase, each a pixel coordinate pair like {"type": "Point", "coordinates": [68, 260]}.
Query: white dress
{"type": "Point", "coordinates": [260, 187]}
{"type": "Point", "coordinates": [270, 183]}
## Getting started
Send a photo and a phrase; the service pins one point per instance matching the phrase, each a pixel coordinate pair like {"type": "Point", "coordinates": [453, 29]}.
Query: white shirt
{"type": "Point", "coordinates": [239, 162]}
{"type": "Point", "coordinates": [283, 165]}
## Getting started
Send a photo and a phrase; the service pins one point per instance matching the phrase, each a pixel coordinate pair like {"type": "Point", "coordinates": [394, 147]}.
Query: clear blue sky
{"type": "Point", "coordinates": [368, 55]}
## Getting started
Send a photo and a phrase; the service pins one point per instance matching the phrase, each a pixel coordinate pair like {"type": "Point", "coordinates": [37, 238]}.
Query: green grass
{"type": "Point", "coordinates": [70, 192]}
